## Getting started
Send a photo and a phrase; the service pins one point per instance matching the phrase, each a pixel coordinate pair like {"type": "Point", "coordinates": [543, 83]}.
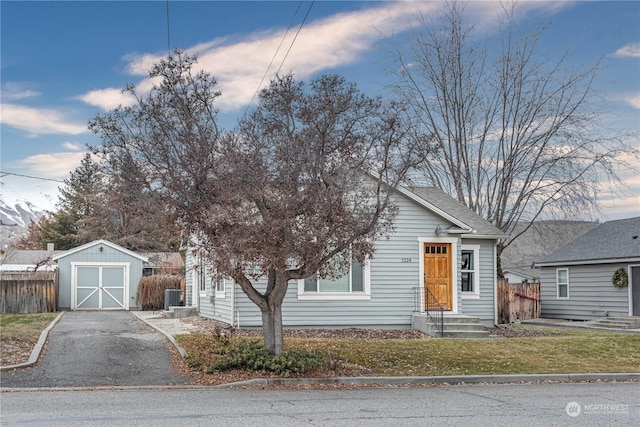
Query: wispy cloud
{"type": "Point", "coordinates": [107, 98]}
{"type": "Point", "coordinates": [12, 91]}
{"type": "Point", "coordinates": [239, 63]}
{"type": "Point", "coordinates": [633, 100]}
{"type": "Point", "coordinates": [73, 146]}
{"type": "Point", "coordinates": [630, 50]}
{"type": "Point", "coordinates": [52, 165]}
{"type": "Point", "coordinates": [37, 121]}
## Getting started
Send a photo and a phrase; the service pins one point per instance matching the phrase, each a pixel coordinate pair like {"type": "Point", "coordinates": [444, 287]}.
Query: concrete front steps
{"type": "Point", "coordinates": [454, 326]}
{"type": "Point", "coordinates": [616, 323]}
{"type": "Point", "coordinates": [179, 312]}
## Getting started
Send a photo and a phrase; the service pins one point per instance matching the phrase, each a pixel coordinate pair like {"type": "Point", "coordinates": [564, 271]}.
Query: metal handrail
{"type": "Point", "coordinates": [435, 315]}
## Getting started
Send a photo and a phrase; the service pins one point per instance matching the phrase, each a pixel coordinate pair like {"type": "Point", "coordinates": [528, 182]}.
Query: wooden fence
{"type": "Point", "coordinates": [518, 301]}
{"type": "Point", "coordinates": [33, 292]}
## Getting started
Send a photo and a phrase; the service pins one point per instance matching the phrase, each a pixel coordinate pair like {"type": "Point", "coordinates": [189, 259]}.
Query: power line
{"type": "Point", "coordinates": [29, 176]}
{"type": "Point", "coordinates": [278, 50]}
{"type": "Point", "coordinates": [168, 32]}
{"type": "Point", "coordinates": [296, 36]}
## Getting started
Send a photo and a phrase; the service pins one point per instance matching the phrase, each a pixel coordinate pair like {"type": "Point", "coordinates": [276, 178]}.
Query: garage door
{"type": "Point", "coordinates": [100, 288]}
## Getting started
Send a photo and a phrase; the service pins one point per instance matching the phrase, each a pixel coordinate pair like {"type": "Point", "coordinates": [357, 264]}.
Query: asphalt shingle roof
{"type": "Point", "coordinates": [457, 209]}
{"type": "Point", "coordinates": [611, 240]}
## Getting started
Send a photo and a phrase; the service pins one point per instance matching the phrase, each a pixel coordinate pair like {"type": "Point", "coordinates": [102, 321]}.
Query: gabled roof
{"type": "Point", "coordinates": [96, 243]}
{"type": "Point", "coordinates": [469, 223]}
{"type": "Point", "coordinates": [28, 260]}
{"type": "Point", "coordinates": [26, 256]}
{"type": "Point", "coordinates": [163, 259]}
{"type": "Point", "coordinates": [609, 242]}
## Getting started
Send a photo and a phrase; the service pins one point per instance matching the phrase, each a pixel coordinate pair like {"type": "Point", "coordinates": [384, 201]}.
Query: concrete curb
{"type": "Point", "coordinates": [35, 353]}
{"type": "Point", "coordinates": [448, 380]}
{"type": "Point", "coordinates": [372, 381]}
{"type": "Point", "coordinates": [170, 337]}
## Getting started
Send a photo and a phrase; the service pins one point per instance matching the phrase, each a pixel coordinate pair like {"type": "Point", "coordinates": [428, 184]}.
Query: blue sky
{"type": "Point", "coordinates": [63, 62]}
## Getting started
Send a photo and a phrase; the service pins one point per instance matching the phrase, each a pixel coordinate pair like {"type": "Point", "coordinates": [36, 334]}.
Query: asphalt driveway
{"type": "Point", "coordinates": [99, 348]}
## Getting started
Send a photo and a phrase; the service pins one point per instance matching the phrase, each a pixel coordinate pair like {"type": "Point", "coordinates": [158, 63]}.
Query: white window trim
{"type": "Point", "coordinates": [476, 272]}
{"type": "Point", "coordinates": [223, 293]}
{"type": "Point", "coordinates": [201, 271]}
{"type": "Point", "coordinates": [558, 285]}
{"type": "Point", "coordinates": [336, 296]}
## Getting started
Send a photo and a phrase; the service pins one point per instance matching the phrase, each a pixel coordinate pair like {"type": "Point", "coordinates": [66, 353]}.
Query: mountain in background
{"type": "Point", "coordinates": [15, 220]}
{"type": "Point", "coordinates": [543, 238]}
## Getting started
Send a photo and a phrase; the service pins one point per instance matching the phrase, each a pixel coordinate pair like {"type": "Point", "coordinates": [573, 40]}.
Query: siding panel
{"type": "Point", "coordinates": [591, 294]}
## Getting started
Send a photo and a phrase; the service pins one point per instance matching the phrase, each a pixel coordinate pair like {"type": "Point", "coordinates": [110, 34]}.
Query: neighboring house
{"type": "Point", "coordinates": [517, 275]}
{"type": "Point", "coordinates": [162, 263]}
{"type": "Point", "coordinates": [21, 260]}
{"type": "Point", "coordinates": [437, 243]}
{"type": "Point", "coordinates": [99, 275]}
{"type": "Point", "coordinates": [576, 280]}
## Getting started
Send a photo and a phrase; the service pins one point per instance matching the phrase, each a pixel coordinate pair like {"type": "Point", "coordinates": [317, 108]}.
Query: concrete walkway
{"type": "Point", "coordinates": [564, 323]}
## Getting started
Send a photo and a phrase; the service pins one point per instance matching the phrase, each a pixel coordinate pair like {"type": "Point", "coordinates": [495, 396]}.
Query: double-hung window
{"type": "Point", "coordinates": [469, 270]}
{"type": "Point", "coordinates": [220, 286]}
{"type": "Point", "coordinates": [201, 276]}
{"type": "Point", "coordinates": [353, 285]}
{"type": "Point", "coordinates": [562, 282]}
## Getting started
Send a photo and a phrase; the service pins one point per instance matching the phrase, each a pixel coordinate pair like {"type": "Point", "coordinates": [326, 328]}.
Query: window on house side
{"type": "Point", "coordinates": [468, 271]}
{"type": "Point", "coordinates": [351, 282]}
{"type": "Point", "coordinates": [562, 282]}
{"type": "Point", "coordinates": [220, 284]}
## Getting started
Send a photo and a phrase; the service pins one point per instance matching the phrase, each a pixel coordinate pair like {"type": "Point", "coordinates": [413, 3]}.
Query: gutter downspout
{"type": "Point", "coordinates": [495, 283]}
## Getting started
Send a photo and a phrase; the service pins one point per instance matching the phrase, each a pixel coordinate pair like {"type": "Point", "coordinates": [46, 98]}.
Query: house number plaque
{"type": "Point", "coordinates": [406, 260]}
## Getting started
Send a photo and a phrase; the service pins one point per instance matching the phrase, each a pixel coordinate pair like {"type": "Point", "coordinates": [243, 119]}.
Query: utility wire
{"type": "Point", "coordinates": [296, 36]}
{"type": "Point", "coordinates": [29, 176]}
{"type": "Point", "coordinates": [278, 50]}
{"type": "Point", "coordinates": [168, 32]}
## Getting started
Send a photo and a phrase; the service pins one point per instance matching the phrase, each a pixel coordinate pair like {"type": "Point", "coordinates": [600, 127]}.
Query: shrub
{"type": "Point", "coordinates": [252, 356]}
{"type": "Point", "coordinates": [150, 295]}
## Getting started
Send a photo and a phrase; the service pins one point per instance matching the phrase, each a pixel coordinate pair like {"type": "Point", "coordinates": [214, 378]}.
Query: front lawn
{"type": "Point", "coordinates": [566, 351]}
{"type": "Point", "coordinates": [19, 333]}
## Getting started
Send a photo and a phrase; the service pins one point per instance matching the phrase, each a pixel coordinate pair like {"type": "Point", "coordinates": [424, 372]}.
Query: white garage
{"type": "Point", "coordinates": [98, 276]}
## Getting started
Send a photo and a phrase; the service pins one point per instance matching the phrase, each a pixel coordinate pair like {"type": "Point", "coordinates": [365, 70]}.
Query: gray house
{"type": "Point", "coordinates": [438, 244]}
{"type": "Point", "coordinates": [99, 275]}
{"type": "Point", "coordinates": [576, 280]}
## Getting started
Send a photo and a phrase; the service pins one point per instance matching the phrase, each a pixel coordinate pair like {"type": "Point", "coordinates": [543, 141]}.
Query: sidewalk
{"type": "Point", "coordinates": [564, 323]}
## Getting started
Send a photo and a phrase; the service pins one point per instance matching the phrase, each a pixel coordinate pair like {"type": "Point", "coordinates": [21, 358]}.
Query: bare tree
{"type": "Point", "coordinates": [515, 133]}
{"type": "Point", "coordinates": [302, 187]}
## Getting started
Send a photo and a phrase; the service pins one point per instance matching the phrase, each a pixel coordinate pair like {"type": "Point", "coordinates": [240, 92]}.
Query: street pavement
{"type": "Point", "coordinates": [99, 348]}
{"type": "Point", "coordinates": [129, 349]}
{"type": "Point", "coordinates": [544, 405]}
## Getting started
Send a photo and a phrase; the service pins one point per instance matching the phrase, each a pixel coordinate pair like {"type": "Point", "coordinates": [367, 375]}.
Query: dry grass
{"type": "Point", "coordinates": [568, 351]}
{"type": "Point", "coordinates": [19, 333]}
{"type": "Point", "coordinates": [150, 295]}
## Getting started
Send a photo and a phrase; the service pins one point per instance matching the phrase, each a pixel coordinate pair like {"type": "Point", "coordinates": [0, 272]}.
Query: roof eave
{"type": "Point", "coordinates": [588, 262]}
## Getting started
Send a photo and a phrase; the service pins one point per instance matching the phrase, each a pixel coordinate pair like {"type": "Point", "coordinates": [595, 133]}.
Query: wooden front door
{"type": "Point", "coordinates": [437, 274]}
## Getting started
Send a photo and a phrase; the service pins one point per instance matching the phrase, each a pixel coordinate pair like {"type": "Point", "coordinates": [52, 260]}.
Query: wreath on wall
{"type": "Point", "coordinates": [620, 278]}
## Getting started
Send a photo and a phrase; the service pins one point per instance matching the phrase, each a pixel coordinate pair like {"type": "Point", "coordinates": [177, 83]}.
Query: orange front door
{"type": "Point", "coordinates": [437, 274]}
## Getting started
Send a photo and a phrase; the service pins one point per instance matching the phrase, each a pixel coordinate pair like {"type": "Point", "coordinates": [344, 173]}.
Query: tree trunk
{"type": "Point", "coordinates": [272, 311]}
{"type": "Point", "coordinates": [272, 328]}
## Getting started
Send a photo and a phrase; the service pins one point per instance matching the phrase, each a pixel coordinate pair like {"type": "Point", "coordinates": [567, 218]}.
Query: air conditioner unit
{"type": "Point", "coordinates": [172, 298]}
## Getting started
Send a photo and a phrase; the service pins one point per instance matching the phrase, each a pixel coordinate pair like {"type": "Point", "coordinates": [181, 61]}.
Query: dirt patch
{"type": "Point", "coordinates": [211, 327]}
